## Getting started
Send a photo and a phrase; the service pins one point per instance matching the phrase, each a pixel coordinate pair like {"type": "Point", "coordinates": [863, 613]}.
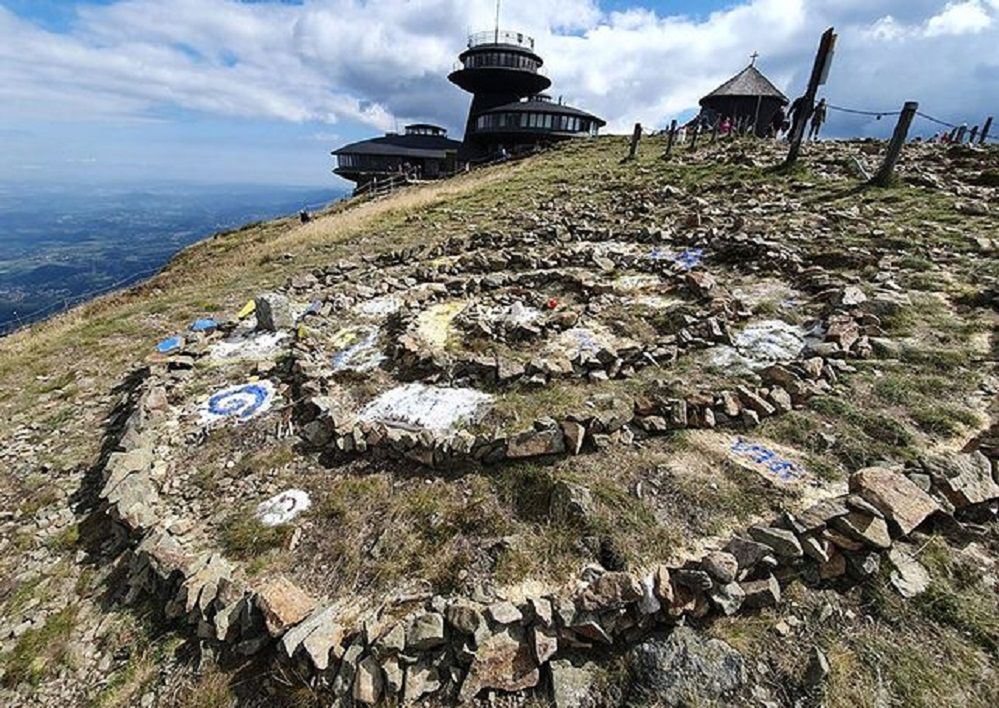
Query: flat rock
{"type": "Point", "coordinates": [368, 681]}
{"type": "Point", "coordinates": [908, 576]}
{"type": "Point", "coordinates": [685, 668]}
{"type": "Point", "coordinates": [504, 613]}
{"type": "Point", "coordinates": [963, 479]}
{"type": "Point", "coordinates": [323, 641]}
{"type": "Point", "coordinates": [535, 443]}
{"type": "Point", "coordinates": [721, 566]}
{"type": "Point", "coordinates": [783, 542]}
{"type": "Point", "coordinates": [283, 604]}
{"type": "Point", "coordinates": [274, 312]}
{"type": "Point", "coordinates": [425, 632]}
{"type": "Point", "coordinates": [611, 591]}
{"type": "Point", "coordinates": [747, 553]}
{"type": "Point", "coordinates": [504, 662]}
{"type": "Point", "coordinates": [570, 501]}
{"type": "Point", "coordinates": [761, 593]}
{"type": "Point", "coordinates": [572, 685]}
{"type": "Point", "coordinates": [863, 527]}
{"type": "Point", "coordinates": [895, 495]}
{"type": "Point", "coordinates": [821, 513]}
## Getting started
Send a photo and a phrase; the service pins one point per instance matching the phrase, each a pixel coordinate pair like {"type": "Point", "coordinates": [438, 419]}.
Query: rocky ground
{"type": "Point", "coordinates": [575, 431]}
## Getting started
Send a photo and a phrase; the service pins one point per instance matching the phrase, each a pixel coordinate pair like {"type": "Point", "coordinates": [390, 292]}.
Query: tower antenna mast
{"type": "Point", "coordinates": [496, 38]}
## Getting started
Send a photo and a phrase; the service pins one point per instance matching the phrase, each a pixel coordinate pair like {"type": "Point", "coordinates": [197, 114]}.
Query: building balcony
{"type": "Point", "coordinates": [518, 39]}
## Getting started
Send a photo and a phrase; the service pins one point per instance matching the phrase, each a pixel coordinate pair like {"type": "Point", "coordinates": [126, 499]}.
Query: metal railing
{"type": "Point", "coordinates": [500, 37]}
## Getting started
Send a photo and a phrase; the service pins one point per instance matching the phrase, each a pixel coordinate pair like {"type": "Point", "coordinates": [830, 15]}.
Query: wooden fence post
{"type": "Point", "coordinates": [635, 137]}
{"type": "Point", "coordinates": [960, 134]}
{"type": "Point", "coordinates": [669, 141]}
{"type": "Point", "coordinates": [693, 136]}
{"type": "Point", "coordinates": [882, 178]}
{"type": "Point", "coordinates": [973, 135]}
{"type": "Point", "coordinates": [714, 134]}
{"type": "Point", "coordinates": [985, 131]}
{"type": "Point", "coordinates": [823, 59]}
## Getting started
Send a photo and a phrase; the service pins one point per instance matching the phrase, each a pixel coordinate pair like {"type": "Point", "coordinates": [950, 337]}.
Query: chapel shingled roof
{"type": "Point", "coordinates": [748, 82]}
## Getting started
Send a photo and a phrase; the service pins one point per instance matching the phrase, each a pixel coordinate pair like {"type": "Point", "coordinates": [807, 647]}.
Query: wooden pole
{"type": "Point", "coordinates": [693, 136]}
{"type": "Point", "coordinates": [635, 137]}
{"type": "Point", "coordinates": [714, 134]}
{"type": "Point", "coordinates": [985, 131]}
{"type": "Point", "coordinates": [669, 141]}
{"type": "Point", "coordinates": [973, 135]}
{"type": "Point", "coordinates": [883, 177]}
{"type": "Point", "coordinates": [960, 134]}
{"type": "Point", "coordinates": [819, 70]}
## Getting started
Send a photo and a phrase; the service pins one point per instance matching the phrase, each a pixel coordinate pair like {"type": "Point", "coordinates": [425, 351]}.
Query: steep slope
{"type": "Point", "coordinates": [511, 429]}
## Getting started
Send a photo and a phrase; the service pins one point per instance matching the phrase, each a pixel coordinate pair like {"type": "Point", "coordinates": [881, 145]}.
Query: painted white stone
{"type": "Point", "coordinates": [515, 315]}
{"type": "Point", "coordinates": [759, 345]}
{"type": "Point", "coordinates": [634, 283]}
{"type": "Point", "coordinates": [283, 507]}
{"type": "Point", "coordinates": [432, 407]}
{"type": "Point", "coordinates": [380, 306]}
{"type": "Point", "coordinates": [248, 346]}
{"type": "Point", "coordinates": [361, 355]}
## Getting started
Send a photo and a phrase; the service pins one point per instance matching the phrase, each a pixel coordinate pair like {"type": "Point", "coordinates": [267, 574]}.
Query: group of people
{"type": "Point", "coordinates": [797, 114]}
{"type": "Point", "coordinates": [411, 171]}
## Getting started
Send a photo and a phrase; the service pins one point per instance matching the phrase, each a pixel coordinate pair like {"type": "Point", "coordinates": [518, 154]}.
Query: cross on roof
{"type": "Point", "coordinates": [753, 57]}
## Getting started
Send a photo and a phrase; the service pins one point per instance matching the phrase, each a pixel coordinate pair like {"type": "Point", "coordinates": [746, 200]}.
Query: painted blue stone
{"type": "Point", "coordinates": [783, 469]}
{"type": "Point", "coordinates": [169, 345]}
{"type": "Point", "coordinates": [204, 325]}
{"type": "Point", "coordinates": [241, 402]}
{"type": "Point", "coordinates": [688, 259]}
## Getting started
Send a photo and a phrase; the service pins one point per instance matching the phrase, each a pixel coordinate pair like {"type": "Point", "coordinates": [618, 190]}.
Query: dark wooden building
{"type": "Point", "coordinates": [423, 152]}
{"type": "Point", "coordinates": [509, 111]}
{"type": "Point", "coordinates": [748, 99]}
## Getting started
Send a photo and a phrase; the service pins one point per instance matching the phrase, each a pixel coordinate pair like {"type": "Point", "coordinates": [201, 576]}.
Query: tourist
{"type": "Point", "coordinates": [818, 118]}
{"type": "Point", "coordinates": [777, 123]}
{"type": "Point", "coordinates": [725, 127]}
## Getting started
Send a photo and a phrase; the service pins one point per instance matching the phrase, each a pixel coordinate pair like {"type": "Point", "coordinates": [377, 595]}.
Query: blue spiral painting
{"type": "Point", "coordinates": [785, 470]}
{"type": "Point", "coordinates": [241, 402]}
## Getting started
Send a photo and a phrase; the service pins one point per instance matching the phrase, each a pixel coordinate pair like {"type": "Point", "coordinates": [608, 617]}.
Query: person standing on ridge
{"type": "Point", "coordinates": [777, 123]}
{"type": "Point", "coordinates": [797, 115]}
{"type": "Point", "coordinates": [818, 118]}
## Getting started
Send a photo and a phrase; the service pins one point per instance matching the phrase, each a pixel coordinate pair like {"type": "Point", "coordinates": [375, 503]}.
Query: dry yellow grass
{"type": "Point", "coordinates": [89, 348]}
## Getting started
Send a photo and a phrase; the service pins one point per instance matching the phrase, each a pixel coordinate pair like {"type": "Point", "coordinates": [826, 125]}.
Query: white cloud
{"type": "Point", "coordinates": [969, 17]}
{"type": "Point", "coordinates": [377, 62]}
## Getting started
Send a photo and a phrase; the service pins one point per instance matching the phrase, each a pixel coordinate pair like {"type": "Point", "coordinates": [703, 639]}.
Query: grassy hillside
{"type": "Point", "coordinates": [930, 388]}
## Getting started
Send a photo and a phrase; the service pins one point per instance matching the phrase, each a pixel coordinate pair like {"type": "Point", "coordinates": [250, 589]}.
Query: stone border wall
{"type": "Point", "coordinates": [454, 648]}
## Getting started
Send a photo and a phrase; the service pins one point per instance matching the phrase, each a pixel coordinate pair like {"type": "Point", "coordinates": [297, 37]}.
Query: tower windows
{"type": "Point", "coordinates": [507, 60]}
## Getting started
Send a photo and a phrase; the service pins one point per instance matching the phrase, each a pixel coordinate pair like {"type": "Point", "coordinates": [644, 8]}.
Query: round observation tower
{"type": "Point", "coordinates": [509, 111]}
{"type": "Point", "coordinates": [498, 67]}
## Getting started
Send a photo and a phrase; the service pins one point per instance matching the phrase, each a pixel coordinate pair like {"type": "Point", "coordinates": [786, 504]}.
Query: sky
{"type": "Point", "coordinates": [225, 91]}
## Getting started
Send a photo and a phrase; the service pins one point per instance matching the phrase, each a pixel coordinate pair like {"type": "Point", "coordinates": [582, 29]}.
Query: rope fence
{"type": "Point", "coordinates": [880, 114]}
{"type": "Point", "coordinates": [53, 307]}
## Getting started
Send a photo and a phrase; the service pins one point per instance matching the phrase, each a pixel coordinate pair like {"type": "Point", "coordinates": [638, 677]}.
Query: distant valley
{"type": "Point", "coordinates": [60, 245]}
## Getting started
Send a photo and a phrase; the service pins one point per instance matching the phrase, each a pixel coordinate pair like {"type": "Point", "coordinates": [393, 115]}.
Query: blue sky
{"type": "Point", "coordinates": [225, 91]}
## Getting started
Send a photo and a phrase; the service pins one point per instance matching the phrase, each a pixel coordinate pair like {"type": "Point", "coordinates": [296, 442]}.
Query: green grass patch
{"type": "Point", "coordinates": [40, 650]}
{"type": "Point", "coordinates": [244, 537]}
